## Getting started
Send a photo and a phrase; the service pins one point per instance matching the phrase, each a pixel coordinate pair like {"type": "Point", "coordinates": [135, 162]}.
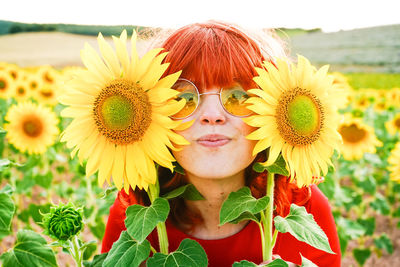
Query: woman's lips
{"type": "Point", "coordinates": [213, 140]}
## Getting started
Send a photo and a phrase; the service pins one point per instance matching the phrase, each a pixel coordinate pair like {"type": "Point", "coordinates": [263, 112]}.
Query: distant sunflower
{"type": "Point", "coordinates": [34, 81]}
{"type": "Point", "coordinates": [6, 85]}
{"type": "Point", "coordinates": [48, 74]}
{"type": "Point", "coordinates": [358, 138]}
{"type": "Point", "coordinates": [31, 128]}
{"type": "Point", "coordinates": [341, 88]}
{"type": "Point", "coordinates": [296, 113]}
{"type": "Point", "coordinates": [121, 112]}
{"type": "Point", "coordinates": [394, 161]}
{"type": "Point", "coordinates": [47, 95]}
{"type": "Point", "coordinates": [21, 90]}
{"type": "Point", "coordinates": [393, 96]}
{"type": "Point", "coordinates": [393, 125]}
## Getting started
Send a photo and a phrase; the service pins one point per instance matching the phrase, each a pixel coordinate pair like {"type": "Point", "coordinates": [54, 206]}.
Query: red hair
{"type": "Point", "coordinates": [215, 54]}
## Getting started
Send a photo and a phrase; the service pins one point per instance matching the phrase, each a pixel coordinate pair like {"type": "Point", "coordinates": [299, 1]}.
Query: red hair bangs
{"type": "Point", "coordinates": [213, 54]}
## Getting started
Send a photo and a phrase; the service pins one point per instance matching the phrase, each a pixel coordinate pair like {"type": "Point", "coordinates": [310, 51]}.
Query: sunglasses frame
{"type": "Point", "coordinates": [206, 93]}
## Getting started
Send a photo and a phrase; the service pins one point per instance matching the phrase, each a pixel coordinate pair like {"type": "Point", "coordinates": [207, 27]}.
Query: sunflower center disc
{"type": "Point", "coordinates": [32, 127]}
{"type": "Point", "coordinates": [352, 134]}
{"type": "Point", "coordinates": [2, 84]}
{"type": "Point", "coordinates": [299, 117]}
{"type": "Point", "coordinates": [397, 123]}
{"type": "Point", "coordinates": [122, 112]}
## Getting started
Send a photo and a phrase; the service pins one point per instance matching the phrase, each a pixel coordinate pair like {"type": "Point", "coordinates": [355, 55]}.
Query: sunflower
{"type": "Point", "coordinates": [31, 127]}
{"type": "Point", "coordinates": [21, 90]}
{"type": "Point", "coordinates": [34, 81]}
{"type": "Point", "coordinates": [48, 75]}
{"type": "Point", "coordinates": [341, 87]}
{"type": "Point", "coordinates": [393, 125]}
{"type": "Point", "coordinates": [6, 84]}
{"type": "Point", "coordinates": [47, 95]}
{"type": "Point", "coordinates": [120, 109]}
{"type": "Point", "coordinates": [296, 113]}
{"type": "Point", "coordinates": [358, 138]}
{"type": "Point", "coordinates": [394, 161]}
{"type": "Point", "coordinates": [393, 96]}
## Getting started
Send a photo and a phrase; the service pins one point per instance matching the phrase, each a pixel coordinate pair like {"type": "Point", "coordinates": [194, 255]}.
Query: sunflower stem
{"type": "Point", "coordinates": [154, 192]}
{"type": "Point", "coordinates": [268, 224]}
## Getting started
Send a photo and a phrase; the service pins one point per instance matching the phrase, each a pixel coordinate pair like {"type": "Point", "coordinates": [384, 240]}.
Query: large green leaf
{"type": "Point", "coordinates": [127, 252]}
{"type": "Point", "coordinates": [7, 209]}
{"type": "Point", "coordinates": [188, 191]}
{"type": "Point", "coordinates": [240, 202]}
{"type": "Point", "coordinates": [140, 221]}
{"type": "Point", "coordinates": [189, 254]}
{"type": "Point", "coordinates": [303, 227]}
{"type": "Point", "coordinates": [30, 250]}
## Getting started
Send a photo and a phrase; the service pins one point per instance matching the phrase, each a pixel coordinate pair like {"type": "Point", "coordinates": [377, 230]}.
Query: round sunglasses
{"type": "Point", "coordinates": [232, 99]}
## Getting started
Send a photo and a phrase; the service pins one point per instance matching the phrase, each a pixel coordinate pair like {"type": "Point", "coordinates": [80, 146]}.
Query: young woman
{"type": "Point", "coordinates": [217, 62]}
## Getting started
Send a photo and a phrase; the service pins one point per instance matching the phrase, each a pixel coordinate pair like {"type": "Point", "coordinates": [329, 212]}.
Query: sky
{"type": "Point", "coordinates": [330, 16]}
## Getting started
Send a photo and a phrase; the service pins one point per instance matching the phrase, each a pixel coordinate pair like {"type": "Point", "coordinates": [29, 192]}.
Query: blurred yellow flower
{"type": "Point", "coordinates": [31, 127]}
{"type": "Point", "coordinates": [394, 161]}
{"type": "Point", "coordinates": [296, 112]}
{"type": "Point", "coordinates": [6, 84]}
{"type": "Point", "coordinates": [21, 90]}
{"type": "Point", "coordinates": [393, 125]}
{"type": "Point", "coordinates": [358, 138]}
{"type": "Point", "coordinates": [120, 110]}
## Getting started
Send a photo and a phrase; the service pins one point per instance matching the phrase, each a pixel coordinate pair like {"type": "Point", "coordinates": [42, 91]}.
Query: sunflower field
{"type": "Point", "coordinates": [37, 172]}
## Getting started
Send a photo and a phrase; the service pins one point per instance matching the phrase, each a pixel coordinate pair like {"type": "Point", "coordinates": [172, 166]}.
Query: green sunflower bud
{"type": "Point", "coordinates": [63, 221]}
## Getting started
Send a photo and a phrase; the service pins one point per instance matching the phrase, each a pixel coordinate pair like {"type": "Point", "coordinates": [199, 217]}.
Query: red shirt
{"type": "Point", "coordinates": [246, 244]}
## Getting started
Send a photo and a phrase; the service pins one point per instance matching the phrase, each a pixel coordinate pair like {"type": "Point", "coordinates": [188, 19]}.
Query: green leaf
{"type": "Point", "coordinates": [306, 262]}
{"type": "Point", "coordinates": [384, 242]}
{"type": "Point", "coordinates": [361, 255]}
{"type": "Point", "coordinates": [7, 209]}
{"type": "Point", "coordinates": [97, 260]}
{"type": "Point", "coordinates": [274, 263]}
{"type": "Point", "coordinates": [178, 168]}
{"type": "Point", "coordinates": [44, 180]}
{"type": "Point", "coordinates": [244, 263]}
{"type": "Point", "coordinates": [189, 253]}
{"type": "Point", "coordinates": [381, 204]}
{"type": "Point", "coordinates": [279, 167]}
{"type": "Point", "coordinates": [349, 228]}
{"type": "Point", "coordinates": [188, 192]}
{"type": "Point", "coordinates": [303, 227]}
{"type": "Point", "coordinates": [127, 252]}
{"type": "Point", "coordinates": [247, 216]}
{"type": "Point", "coordinates": [7, 189]}
{"type": "Point", "coordinates": [140, 221]}
{"type": "Point", "coordinates": [4, 164]}
{"type": "Point", "coordinates": [240, 202]}
{"type": "Point", "coordinates": [30, 248]}
{"type": "Point", "coordinates": [368, 225]}
{"type": "Point", "coordinates": [98, 228]}
{"type": "Point", "coordinates": [88, 249]}
{"type": "Point", "coordinates": [36, 212]}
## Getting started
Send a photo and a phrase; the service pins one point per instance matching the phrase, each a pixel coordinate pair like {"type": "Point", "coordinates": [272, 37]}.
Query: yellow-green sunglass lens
{"type": "Point", "coordinates": [233, 100]}
{"type": "Point", "coordinates": [191, 104]}
{"type": "Point", "coordinates": [188, 92]}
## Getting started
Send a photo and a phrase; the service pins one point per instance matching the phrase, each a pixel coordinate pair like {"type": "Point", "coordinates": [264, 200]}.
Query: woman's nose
{"type": "Point", "coordinates": [211, 111]}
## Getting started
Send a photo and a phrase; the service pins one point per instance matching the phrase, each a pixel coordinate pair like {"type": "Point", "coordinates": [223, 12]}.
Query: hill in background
{"type": "Point", "coordinates": [375, 49]}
